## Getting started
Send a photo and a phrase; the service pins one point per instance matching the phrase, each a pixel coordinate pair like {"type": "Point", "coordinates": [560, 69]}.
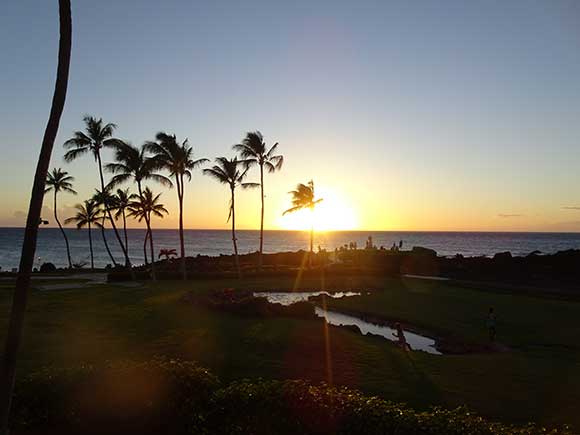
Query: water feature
{"type": "Point", "coordinates": [289, 298]}
{"type": "Point", "coordinates": [416, 341]}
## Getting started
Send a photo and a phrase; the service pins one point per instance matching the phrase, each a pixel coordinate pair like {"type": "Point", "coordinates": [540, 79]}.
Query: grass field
{"type": "Point", "coordinates": [537, 380]}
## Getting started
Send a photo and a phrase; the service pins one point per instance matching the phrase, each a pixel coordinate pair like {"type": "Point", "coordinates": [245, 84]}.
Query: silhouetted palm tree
{"type": "Point", "coordinates": [303, 198]}
{"type": "Point", "coordinates": [227, 171]}
{"type": "Point", "coordinates": [105, 200]}
{"type": "Point", "coordinates": [19, 300]}
{"type": "Point", "coordinates": [132, 163]}
{"type": "Point", "coordinates": [60, 181]}
{"type": "Point", "coordinates": [253, 151]}
{"type": "Point", "coordinates": [88, 215]}
{"type": "Point", "coordinates": [122, 200]}
{"type": "Point", "coordinates": [177, 159]}
{"type": "Point", "coordinates": [167, 253]}
{"type": "Point", "coordinates": [146, 206]}
{"type": "Point", "coordinates": [97, 136]}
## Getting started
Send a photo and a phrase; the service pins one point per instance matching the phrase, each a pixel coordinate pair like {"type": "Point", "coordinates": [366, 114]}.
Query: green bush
{"type": "Point", "coordinates": [177, 397]}
{"type": "Point", "coordinates": [121, 397]}
{"type": "Point", "coordinates": [296, 407]}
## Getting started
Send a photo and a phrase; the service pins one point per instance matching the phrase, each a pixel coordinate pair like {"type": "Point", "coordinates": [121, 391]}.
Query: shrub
{"type": "Point", "coordinates": [296, 407]}
{"type": "Point", "coordinates": [123, 397]}
{"type": "Point", "coordinates": [177, 397]}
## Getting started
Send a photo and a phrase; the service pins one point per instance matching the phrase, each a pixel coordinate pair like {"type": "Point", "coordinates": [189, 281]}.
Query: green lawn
{"type": "Point", "coordinates": [538, 380]}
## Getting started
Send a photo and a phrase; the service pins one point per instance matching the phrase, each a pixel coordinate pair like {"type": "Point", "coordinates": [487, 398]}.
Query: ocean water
{"type": "Point", "coordinates": [51, 245]}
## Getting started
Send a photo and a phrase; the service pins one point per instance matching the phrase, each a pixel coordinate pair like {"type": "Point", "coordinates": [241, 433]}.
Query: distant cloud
{"type": "Point", "coordinates": [20, 215]}
{"type": "Point", "coordinates": [507, 216]}
{"type": "Point", "coordinates": [571, 207]}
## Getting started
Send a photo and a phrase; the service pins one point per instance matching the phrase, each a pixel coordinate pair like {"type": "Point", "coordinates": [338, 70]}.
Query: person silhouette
{"type": "Point", "coordinates": [400, 336]}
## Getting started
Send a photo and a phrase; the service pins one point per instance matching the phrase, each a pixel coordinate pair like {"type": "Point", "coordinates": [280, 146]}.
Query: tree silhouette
{"type": "Point", "coordinates": [132, 163]}
{"type": "Point", "coordinates": [122, 200]}
{"type": "Point", "coordinates": [227, 171]}
{"type": "Point", "coordinates": [177, 159]}
{"type": "Point", "coordinates": [60, 181]}
{"type": "Point", "coordinates": [253, 151]}
{"type": "Point", "coordinates": [97, 136]}
{"type": "Point", "coordinates": [167, 253]}
{"type": "Point", "coordinates": [20, 298]}
{"type": "Point", "coordinates": [303, 198]}
{"type": "Point", "coordinates": [144, 207]}
{"type": "Point", "coordinates": [105, 200]}
{"type": "Point", "coordinates": [87, 215]}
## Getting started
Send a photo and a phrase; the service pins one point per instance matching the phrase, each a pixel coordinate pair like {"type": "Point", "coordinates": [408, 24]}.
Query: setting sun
{"type": "Point", "coordinates": [332, 214]}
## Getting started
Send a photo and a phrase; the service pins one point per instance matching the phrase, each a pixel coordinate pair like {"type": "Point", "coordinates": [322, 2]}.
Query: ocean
{"type": "Point", "coordinates": [51, 247]}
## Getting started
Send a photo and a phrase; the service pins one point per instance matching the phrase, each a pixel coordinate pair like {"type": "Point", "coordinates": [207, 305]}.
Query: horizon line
{"type": "Point", "coordinates": [328, 231]}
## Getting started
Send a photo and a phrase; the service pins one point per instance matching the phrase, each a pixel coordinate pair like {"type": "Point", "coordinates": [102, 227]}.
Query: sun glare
{"type": "Point", "coordinates": [332, 214]}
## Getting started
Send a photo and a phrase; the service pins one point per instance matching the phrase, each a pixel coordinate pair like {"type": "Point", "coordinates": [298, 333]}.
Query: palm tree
{"type": "Point", "coordinates": [132, 163]}
{"type": "Point", "coordinates": [177, 159]}
{"type": "Point", "coordinates": [88, 214]}
{"type": "Point", "coordinates": [98, 136]}
{"type": "Point", "coordinates": [19, 301]}
{"type": "Point", "coordinates": [146, 206]}
{"type": "Point", "coordinates": [105, 200]}
{"type": "Point", "coordinates": [60, 181]}
{"type": "Point", "coordinates": [122, 200]}
{"type": "Point", "coordinates": [303, 198]}
{"type": "Point", "coordinates": [227, 171]}
{"type": "Point", "coordinates": [254, 151]}
{"type": "Point", "coordinates": [167, 253]}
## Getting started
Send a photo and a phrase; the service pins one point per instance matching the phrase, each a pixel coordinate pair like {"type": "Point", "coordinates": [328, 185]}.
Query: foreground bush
{"type": "Point", "coordinates": [296, 407]}
{"type": "Point", "coordinates": [176, 397]}
{"type": "Point", "coordinates": [156, 396]}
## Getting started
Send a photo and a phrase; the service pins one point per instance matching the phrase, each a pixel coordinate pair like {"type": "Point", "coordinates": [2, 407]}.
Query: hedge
{"type": "Point", "coordinates": [178, 397]}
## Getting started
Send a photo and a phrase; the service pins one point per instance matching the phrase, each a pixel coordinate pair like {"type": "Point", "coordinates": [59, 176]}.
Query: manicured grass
{"type": "Point", "coordinates": [538, 380]}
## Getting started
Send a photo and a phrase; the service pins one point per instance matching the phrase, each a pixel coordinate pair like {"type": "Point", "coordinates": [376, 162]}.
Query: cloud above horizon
{"type": "Point", "coordinates": [571, 207]}
{"type": "Point", "coordinates": [507, 216]}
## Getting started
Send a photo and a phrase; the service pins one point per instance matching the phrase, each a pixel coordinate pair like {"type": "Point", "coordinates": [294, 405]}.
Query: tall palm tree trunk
{"type": "Point", "coordinates": [91, 248]}
{"type": "Point", "coordinates": [153, 276]}
{"type": "Point", "coordinates": [148, 223]}
{"type": "Point", "coordinates": [145, 246]}
{"type": "Point", "coordinates": [311, 240]}
{"type": "Point", "coordinates": [20, 298]}
{"type": "Point", "coordinates": [106, 243]}
{"type": "Point", "coordinates": [181, 238]}
{"type": "Point", "coordinates": [234, 239]}
{"type": "Point", "coordinates": [113, 225]}
{"type": "Point", "coordinates": [63, 233]}
{"type": "Point", "coordinates": [260, 258]}
{"type": "Point", "coordinates": [125, 229]}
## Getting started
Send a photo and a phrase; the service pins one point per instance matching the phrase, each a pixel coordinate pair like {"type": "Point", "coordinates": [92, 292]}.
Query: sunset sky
{"type": "Point", "coordinates": [408, 115]}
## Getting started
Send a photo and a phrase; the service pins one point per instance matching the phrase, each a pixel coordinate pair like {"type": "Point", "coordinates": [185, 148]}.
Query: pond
{"type": "Point", "coordinates": [416, 341]}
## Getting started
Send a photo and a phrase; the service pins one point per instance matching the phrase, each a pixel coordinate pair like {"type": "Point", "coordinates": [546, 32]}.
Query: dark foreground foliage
{"type": "Point", "coordinates": [177, 397]}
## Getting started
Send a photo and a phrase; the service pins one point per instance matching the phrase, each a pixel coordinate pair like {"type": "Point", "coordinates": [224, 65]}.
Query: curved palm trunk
{"type": "Point", "coordinates": [106, 243]}
{"type": "Point", "coordinates": [63, 233]}
{"type": "Point", "coordinates": [91, 248]}
{"type": "Point", "coordinates": [260, 258]}
{"type": "Point", "coordinates": [113, 225]}
{"type": "Point", "coordinates": [16, 322]}
{"type": "Point", "coordinates": [179, 182]}
{"type": "Point", "coordinates": [234, 240]}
